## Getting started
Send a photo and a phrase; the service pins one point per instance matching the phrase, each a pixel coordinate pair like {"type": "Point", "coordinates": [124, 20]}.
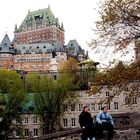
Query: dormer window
{"type": "Point", "coordinates": [5, 44]}
{"type": "Point", "coordinates": [29, 23]}
{"type": "Point", "coordinates": [38, 20]}
{"type": "Point", "coordinates": [39, 51]}
{"type": "Point", "coordinates": [30, 47]}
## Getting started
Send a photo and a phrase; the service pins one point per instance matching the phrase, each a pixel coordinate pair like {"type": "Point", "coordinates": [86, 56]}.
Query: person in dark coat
{"type": "Point", "coordinates": [86, 122]}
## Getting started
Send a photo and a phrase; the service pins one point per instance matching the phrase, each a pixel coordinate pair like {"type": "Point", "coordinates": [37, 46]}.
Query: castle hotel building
{"type": "Point", "coordinates": [38, 44]}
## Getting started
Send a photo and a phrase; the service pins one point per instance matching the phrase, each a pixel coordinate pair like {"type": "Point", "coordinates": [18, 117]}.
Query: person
{"type": "Point", "coordinates": [104, 121]}
{"type": "Point", "coordinates": [86, 122]}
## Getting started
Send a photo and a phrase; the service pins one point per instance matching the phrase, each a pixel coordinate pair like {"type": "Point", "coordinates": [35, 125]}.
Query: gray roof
{"type": "Point", "coordinates": [5, 46]}
{"type": "Point", "coordinates": [73, 48]}
{"type": "Point", "coordinates": [41, 47]}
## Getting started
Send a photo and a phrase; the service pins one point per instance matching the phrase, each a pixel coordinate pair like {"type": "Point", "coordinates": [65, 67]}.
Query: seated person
{"type": "Point", "coordinates": [104, 121]}
{"type": "Point", "coordinates": [86, 122]}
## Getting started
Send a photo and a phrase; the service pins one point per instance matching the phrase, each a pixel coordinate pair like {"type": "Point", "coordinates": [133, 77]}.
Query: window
{"type": "Point", "coordinates": [26, 132]}
{"type": "Point", "coordinates": [34, 119]}
{"type": "Point", "coordinates": [30, 47]}
{"type": "Point", "coordinates": [72, 95]}
{"type": "Point", "coordinates": [65, 108]}
{"type": "Point", "coordinates": [38, 20]}
{"type": "Point", "coordinates": [26, 120]}
{"type": "Point", "coordinates": [65, 122]}
{"type": "Point", "coordinates": [27, 51]}
{"type": "Point", "coordinates": [72, 121]}
{"type": "Point", "coordinates": [80, 107]}
{"type": "Point", "coordinates": [116, 105]}
{"type": "Point", "coordinates": [88, 106]}
{"type": "Point", "coordinates": [35, 132]}
{"type": "Point", "coordinates": [44, 131]}
{"type": "Point", "coordinates": [39, 51]}
{"type": "Point", "coordinates": [107, 93]}
{"type": "Point", "coordinates": [54, 54]}
{"type": "Point", "coordinates": [93, 107]}
{"type": "Point", "coordinates": [17, 132]}
{"type": "Point", "coordinates": [126, 89]}
{"type": "Point", "coordinates": [126, 101]}
{"type": "Point", "coordinates": [72, 107]}
{"type": "Point", "coordinates": [29, 23]}
{"type": "Point", "coordinates": [134, 100]}
{"type": "Point", "coordinates": [5, 44]}
{"type": "Point", "coordinates": [17, 120]}
{"type": "Point", "coordinates": [79, 57]}
{"type": "Point", "coordinates": [55, 77]}
{"type": "Point", "coordinates": [99, 106]}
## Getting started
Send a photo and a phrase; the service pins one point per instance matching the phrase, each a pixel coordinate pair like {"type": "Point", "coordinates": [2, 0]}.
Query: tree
{"type": "Point", "coordinates": [69, 65]}
{"type": "Point", "coordinates": [119, 76]}
{"type": "Point", "coordinates": [82, 73]}
{"type": "Point", "coordinates": [12, 96]}
{"type": "Point", "coordinates": [71, 68]}
{"type": "Point", "coordinates": [50, 96]}
{"type": "Point", "coordinates": [119, 23]}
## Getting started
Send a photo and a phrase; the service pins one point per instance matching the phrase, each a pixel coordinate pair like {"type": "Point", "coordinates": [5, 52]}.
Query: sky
{"type": "Point", "coordinates": [78, 17]}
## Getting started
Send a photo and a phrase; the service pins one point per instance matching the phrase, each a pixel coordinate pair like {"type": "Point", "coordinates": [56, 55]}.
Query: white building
{"type": "Point", "coordinates": [121, 101]}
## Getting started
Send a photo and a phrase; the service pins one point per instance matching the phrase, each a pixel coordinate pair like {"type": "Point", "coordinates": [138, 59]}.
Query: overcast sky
{"type": "Point", "coordinates": [78, 17]}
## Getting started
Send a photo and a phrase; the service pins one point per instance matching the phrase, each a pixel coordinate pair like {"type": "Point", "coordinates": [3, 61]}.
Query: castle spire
{"type": "Point", "coordinates": [49, 6]}
{"type": "Point", "coordinates": [62, 26]}
{"type": "Point", "coordinates": [15, 27]}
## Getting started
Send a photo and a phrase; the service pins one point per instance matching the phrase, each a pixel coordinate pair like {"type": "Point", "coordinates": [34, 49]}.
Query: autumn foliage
{"type": "Point", "coordinates": [118, 25]}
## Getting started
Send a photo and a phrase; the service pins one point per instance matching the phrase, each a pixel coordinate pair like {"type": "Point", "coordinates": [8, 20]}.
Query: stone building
{"type": "Point", "coordinates": [120, 103]}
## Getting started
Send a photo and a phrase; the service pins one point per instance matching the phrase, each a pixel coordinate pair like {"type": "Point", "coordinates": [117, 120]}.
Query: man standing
{"type": "Point", "coordinates": [86, 122]}
{"type": "Point", "coordinates": [104, 121]}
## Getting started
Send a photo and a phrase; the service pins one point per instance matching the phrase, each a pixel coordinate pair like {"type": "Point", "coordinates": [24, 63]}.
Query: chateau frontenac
{"type": "Point", "coordinates": [38, 44]}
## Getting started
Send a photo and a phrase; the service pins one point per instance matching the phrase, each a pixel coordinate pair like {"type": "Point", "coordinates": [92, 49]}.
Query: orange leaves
{"type": "Point", "coordinates": [118, 75]}
{"type": "Point", "coordinates": [70, 64]}
{"type": "Point", "coordinates": [118, 23]}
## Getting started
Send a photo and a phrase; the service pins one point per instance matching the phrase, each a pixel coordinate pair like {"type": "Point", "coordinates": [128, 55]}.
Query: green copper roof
{"type": "Point", "coordinates": [45, 15]}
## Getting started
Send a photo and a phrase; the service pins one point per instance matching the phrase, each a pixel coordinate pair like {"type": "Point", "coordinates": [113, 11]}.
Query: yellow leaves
{"type": "Point", "coordinates": [94, 90]}
{"type": "Point", "coordinates": [70, 64]}
{"type": "Point", "coordinates": [118, 23]}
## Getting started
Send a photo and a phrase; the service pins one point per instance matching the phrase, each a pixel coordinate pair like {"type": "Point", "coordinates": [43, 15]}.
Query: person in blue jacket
{"type": "Point", "coordinates": [104, 121]}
